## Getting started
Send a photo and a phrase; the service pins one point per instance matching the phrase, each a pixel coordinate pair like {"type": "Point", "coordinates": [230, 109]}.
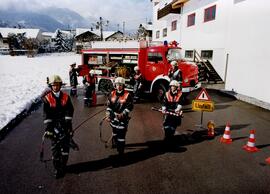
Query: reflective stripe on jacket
{"type": "Point", "coordinates": [175, 98]}
{"type": "Point", "coordinates": [52, 101]}
{"type": "Point", "coordinates": [122, 99]}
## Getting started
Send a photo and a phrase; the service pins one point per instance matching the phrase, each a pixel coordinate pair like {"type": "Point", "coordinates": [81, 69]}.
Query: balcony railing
{"type": "Point", "coordinates": [168, 10]}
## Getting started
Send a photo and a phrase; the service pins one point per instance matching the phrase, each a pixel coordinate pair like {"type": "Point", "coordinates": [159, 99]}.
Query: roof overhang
{"type": "Point", "coordinates": [178, 3]}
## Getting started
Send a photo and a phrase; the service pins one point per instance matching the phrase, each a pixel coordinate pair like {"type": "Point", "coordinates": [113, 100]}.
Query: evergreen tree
{"type": "Point", "coordinates": [60, 42]}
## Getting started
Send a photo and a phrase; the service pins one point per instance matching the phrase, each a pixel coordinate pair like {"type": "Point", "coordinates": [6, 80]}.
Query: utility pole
{"type": "Point", "coordinates": [123, 29]}
{"type": "Point", "coordinates": [100, 25]}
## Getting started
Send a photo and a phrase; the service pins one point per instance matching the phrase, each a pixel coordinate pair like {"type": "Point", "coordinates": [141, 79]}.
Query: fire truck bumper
{"type": "Point", "coordinates": [189, 89]}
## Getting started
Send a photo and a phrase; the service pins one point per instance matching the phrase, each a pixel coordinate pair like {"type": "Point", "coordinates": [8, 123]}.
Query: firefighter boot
{"type": "Point", "coordinates": [120, 147]}
{"type": "Point", "coordinates": [73, 145]}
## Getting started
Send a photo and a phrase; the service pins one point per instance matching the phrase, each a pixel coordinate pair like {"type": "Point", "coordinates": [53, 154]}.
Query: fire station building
{"type": "Point", "coordinates": [233, 35]}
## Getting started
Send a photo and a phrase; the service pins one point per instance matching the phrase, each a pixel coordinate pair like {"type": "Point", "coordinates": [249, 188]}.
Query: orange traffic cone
{"type": "Point", "coordinates": [226, 138]}
{"type": "Point", "coordinates": [267, 160]}
{"type": "Point", "coordinates": [250, 146]}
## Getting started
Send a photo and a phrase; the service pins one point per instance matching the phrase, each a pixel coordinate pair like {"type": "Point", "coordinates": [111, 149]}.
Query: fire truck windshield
{"type": "Point", "coordinates": [174, 54]}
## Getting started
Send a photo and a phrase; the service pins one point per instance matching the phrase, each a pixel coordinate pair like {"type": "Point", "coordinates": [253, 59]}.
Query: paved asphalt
{"type": "Point", "coordinates": [196, 165]}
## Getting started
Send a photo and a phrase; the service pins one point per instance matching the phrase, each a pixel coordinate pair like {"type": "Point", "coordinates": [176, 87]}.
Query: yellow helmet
{"type": "Point", "coordinates": [55, 79]}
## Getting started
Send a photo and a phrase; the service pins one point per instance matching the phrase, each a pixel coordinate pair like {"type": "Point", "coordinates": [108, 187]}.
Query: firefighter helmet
{"type": "Point", "coordinates": [55, 79]}
{"type": "Point", "coordinates": [119, 80]}
{"type": "Point", "coordinates": [174, 63]}
{"type": "Point", "coordinates": [136, 68]}
{"type": "Point", "coordinates": [174, 83]}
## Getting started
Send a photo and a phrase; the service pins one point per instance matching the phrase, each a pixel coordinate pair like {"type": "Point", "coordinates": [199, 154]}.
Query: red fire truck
{"type": "Point", "coordinates": [153, 61]}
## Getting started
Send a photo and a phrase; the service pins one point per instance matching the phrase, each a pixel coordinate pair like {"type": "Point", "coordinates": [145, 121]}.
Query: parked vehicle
{"type": "Point", "coordinates": [153, 60]}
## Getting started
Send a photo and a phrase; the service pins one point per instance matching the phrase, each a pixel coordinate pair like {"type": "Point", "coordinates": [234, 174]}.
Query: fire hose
{"type": "Point", "coordinates": [41, 156]}
{"type": "Point", "coordinates": [180, 114]}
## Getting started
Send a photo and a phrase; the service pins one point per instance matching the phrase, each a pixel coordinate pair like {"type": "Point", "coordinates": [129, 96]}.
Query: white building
{"type": "Point", "coordinates": [231, 34]}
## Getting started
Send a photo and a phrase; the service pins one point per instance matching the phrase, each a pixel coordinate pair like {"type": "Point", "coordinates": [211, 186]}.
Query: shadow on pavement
{"type": "Point", "coordinates": [154, 148]}
{"type": "Point", "coordinates": [149, 149]}
{"type": "Point", "coordinates": [220, 129]}
{"type": "Point", "coordinates": [263, 146]}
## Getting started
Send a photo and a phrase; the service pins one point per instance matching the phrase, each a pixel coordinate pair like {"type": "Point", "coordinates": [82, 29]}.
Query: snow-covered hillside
{"type": "Point", "coordinates": [23, 79]}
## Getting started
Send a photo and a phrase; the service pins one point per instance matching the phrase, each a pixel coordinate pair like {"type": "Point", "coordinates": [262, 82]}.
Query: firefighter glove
{"type": "Point", "coordinates": [163, 109]}
{"type": "Point", "coordinates": [48, 135]}
{"type": "Point", "coordinates": [120, 116]}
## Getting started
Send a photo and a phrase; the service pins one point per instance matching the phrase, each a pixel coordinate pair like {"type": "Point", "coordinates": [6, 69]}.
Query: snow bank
{"type": "Point", "coordinates": [23, 79]}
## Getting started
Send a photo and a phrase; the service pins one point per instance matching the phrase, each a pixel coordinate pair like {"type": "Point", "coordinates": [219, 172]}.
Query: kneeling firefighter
{"type": "Point", "coordinates": [120, 104]}
{"type": "Point", "coordinates": [172, 104]}
{"type": "Point", "coordinates": [57, 113]}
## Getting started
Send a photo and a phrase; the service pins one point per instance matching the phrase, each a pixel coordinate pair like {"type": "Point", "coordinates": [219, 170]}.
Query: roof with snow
{"type": "Point", "coordinates": [49, 34]}
{"type": "Point", "coordinates": [106, 34]}
{"type": "Point", "coordinates": [29, 33]}
{"type": "Point", "coordinates": [147, 26]}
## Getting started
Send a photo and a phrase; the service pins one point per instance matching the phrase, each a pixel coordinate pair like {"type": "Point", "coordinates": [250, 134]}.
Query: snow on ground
{"type": "Point", "coordinates": [23, 79]}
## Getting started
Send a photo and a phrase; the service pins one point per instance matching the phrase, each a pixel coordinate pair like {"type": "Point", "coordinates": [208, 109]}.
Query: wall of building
{"type": "Point", "coordinates": [248, 49]}
{"type": "Point", "coordinates": [239, 38]}
{"type": "Point", "coordinates": [165, 22]}
{"type": "Point", "coordinates": [211, 35]}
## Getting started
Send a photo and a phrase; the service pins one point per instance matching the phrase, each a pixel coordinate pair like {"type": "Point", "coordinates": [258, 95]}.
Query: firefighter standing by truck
{"type": "Point", "coordinates": [174, 72]}
{"type": "Point", "coordinates": [57, 114]}
{"type": "Point", "coordinates": [73, 73]}
{"type": "Point", "coordinates": [89, 82]}
{"type": "Point", "coordinates": [120, 104]}
{"type": "Point", "coordinates": [172, 104]}
{"type": "Point", "coordinates": [137, 83]}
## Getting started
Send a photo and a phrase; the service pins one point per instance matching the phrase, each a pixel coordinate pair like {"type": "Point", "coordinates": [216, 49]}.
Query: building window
{"type": "Point", "coordinates": [157, 34]}
{"type": "Point", "coordinates": [207, 54]}
{"type": "Point", "coordinates": [174, 25]}
{"type": "Point", "coordinates": [189, 54]}
{"type": "Point", "coordinates": [210, 13]}
{"type": "Point", "coordinates": [164, 32]}
{"type": "Point", "coordinates": [191, 20]}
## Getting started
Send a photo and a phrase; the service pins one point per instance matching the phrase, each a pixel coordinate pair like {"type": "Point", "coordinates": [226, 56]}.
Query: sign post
{"type": "Point", "coordinates": [203, 103]}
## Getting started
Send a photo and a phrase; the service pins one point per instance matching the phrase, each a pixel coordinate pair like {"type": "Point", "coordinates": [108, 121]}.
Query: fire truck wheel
{"type": "Point", "coordinates": [159, 92]}
{"type": "Point", "coordinates": [105, 86]}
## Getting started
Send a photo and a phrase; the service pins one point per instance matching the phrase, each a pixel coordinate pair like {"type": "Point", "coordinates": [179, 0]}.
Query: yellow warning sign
{"type": "Point", "coordinates": [200, 105]}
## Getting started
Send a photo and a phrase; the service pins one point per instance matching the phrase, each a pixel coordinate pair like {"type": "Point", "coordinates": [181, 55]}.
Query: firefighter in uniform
{"type": "Point", "coordinates": [138, 83]}
{"type": "Point", "coordinates": [120, 104]}
{"type": "Point", "coordinates": [57, 113]}
{"type": "Point", "coordinates": [172, 103]}
{"type": "Point", "coordinates": [89, 81]}
{"type": "Point", "coordinates": [175, 73]}
{"type": "Point", "coordinates": [73, 73]}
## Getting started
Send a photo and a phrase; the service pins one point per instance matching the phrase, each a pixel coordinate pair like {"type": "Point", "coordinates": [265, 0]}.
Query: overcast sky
{"type": "Point", "coordinates": [133, 12]}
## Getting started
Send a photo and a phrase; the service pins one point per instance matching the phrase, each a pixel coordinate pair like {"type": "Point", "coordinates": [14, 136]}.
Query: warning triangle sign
{"type": "Point", "coordinates": [203, 95]}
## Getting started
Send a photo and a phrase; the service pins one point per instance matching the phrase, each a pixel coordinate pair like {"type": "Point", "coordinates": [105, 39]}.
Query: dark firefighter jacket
{"type": "Point", "coordinates": [120, 103]}
{"type": "Point", "coordinates": [171, 101]}
{"type": "Point", "coordinates": [57, 109]}
{"type": "Point", "coordinates": [73, 77]}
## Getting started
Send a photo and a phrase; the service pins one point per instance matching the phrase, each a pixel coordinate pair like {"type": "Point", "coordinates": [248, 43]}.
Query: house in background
{"type": "Point", "coordinates": [4, 48]}
{"type": "Point", "coordinates": [34, 34]}
{"type": "Point", "coordinates": [84, 37]}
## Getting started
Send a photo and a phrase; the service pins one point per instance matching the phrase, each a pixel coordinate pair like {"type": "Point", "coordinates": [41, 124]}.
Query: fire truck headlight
{"type": "Point", "coordinates": [186, 80]}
